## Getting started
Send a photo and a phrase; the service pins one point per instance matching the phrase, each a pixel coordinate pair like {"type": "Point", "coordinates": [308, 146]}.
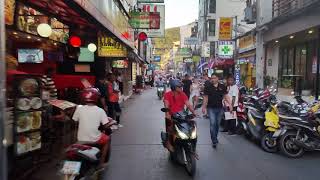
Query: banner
{"type": "Point", "coordinates": [191, 41]}
{"type": "Point", "coordinates": [109, 47]}
{"type": "Point", "coordinates": [150, 1]}
{"type": "Point", "coordinates": [155, 33]}
{"type": "Point", "coordinates": [120, 64]}
{"type": "Point", "coordinates": [184, 52]}
{"type": "Point", "coordinates": [226, 49]}
{"type": "Point", "coordinates": [205, 50]}
{"type": "Point", "coordinates": [225, 28]}
{"type": "Point", "coordinates": [145, 20]}
{"type": "Point", "coordinates": [9, 11]}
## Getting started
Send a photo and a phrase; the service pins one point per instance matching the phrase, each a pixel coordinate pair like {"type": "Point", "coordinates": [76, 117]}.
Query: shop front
{"type": "Point", "coordinates": [245, 68]}
{"type": "Point", "coordinates": [298, 62]}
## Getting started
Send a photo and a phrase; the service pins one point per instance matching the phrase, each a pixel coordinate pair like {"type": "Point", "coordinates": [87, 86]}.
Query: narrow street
{"type": "Point", "coordinates": [137, 153]}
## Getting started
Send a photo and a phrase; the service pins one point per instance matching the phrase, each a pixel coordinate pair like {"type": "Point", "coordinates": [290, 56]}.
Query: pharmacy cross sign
{"type": "Point", "coordinates": [226, 49]}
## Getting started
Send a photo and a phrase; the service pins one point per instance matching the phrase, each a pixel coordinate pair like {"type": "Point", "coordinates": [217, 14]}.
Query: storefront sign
{"type": "Point", "coordinates": [226, 49]}
{"type": "Point", "coordinates": [314, 65]}
{"type": "Point", "coordinates": [109, 14]}
{"type": "Point", "coordinates": [9, 11]}
{"type": "Point", "coordinates": [225, 28]}
{"type": "Point", "coordinates": [150, 1]}
{"type": "Point", "coordinates": [120, 64]}
{"type": "Point", "coordinates": [184, 52]}
{"type": "Point", "coordinates": [155, 8]}
{"type": "Point", "coordinates": [134, 73]}
{"type": "Point", "coordinates": [191, 41]}
{"type": "Point", "coordinates": [205, 51]}
{"type": "Point", "coordinates": [157, 58]}
{"type": "Point", "coordinates": [237, 74]}
{"type": "Point", "coordinates": [187, 60]}
{"type": "Point", "coordinates": [145, 20]}
{"type": "Point", "coordinates": [109, 47]}
{"type": "Point", "coordinates": [247, 43]}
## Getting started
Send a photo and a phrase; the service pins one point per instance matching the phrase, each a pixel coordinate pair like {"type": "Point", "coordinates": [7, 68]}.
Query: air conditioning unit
{"type": "Point", "coordinates": [250, 14]}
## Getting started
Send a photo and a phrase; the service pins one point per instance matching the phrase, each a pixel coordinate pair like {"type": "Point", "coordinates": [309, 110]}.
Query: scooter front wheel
{"type": "Point", "coordinates": [268, 143]}
{"type": "Point", "coordinates": [191, 164]}
{"type": "Point", "coordinates": [288, 147]}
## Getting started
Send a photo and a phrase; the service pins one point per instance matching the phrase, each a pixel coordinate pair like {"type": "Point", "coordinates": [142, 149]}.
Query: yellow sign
{"type": "Point", "coordinates": [225, 28]}
{"type": "Point", "coordinates": [109, 47]}
{"type": "Point", "coordinates": [247, 43]}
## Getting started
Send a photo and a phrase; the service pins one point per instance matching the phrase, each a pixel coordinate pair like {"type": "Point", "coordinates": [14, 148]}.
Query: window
{"type": "Point", "coordinates": [212, 27]}
{"type": "Point", "coordinates": [212, 6]}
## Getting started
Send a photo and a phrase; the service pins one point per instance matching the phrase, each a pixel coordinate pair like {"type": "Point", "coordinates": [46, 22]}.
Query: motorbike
{"type": "Point", "coordinates": [160, 91]}
{"type": "Point", "coordinates": [300, 134]}
{"type": "Point", "coordinates": [184, 141]}
{"type": "Point", "coordinates": [82, 160]}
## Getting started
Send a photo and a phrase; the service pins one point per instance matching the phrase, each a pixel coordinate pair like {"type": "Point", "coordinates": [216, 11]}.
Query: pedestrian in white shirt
{"type": "Point", "coordinates": [233, 92]}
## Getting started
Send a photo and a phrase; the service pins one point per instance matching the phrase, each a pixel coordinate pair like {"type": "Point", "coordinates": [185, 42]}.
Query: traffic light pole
{"type": "Point", "coordinates": [3, 153]}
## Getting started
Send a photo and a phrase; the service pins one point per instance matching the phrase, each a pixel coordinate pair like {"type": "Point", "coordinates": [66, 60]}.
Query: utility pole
{"type": "Point", "coordinates": [3, 153]}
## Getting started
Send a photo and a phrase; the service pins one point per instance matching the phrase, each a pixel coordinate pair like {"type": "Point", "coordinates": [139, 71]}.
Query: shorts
{"type": "Point", "coordinates": [104, 139]}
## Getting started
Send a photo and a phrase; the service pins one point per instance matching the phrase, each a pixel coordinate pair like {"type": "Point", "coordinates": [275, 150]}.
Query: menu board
{"type": "Point", "coordinates": [28, 114]}
{"type": "Point", "coordinates": [28, 19]}
{"type": "Point", "coordinates": [9, 11]}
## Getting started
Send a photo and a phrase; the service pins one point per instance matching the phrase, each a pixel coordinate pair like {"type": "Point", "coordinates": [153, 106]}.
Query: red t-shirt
{"type": "Point", "coordinates": [176, 102]}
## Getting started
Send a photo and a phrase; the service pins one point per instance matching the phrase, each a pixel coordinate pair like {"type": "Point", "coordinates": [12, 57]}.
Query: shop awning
{"type": "Point", "coordinates": [220, 63]}
{"type": "Point", "coordinates": [135, 57]}
{"type": "Point", "coordinates": [62, 11]}
{"type": "Point", "coordinates": [247, 54]}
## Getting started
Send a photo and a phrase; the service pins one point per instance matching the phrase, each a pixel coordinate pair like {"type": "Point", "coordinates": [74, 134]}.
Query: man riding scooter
{"type": "Point", "coordinates": [174, 100]}
{"type": "Point", "coordinates": [90, 117]}
{"type": "Point", "coordinates": [161, 88]}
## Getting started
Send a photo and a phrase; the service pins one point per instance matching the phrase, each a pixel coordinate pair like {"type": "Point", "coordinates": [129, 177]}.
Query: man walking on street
{"type": "Point", "coordinates": [233, 92]}
{"type": "Point", "coordinates": [187, 85]}
{"type": "Point", "coordinates": [214, 94]}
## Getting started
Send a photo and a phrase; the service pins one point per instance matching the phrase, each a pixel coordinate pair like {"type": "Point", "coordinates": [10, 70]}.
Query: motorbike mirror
{"type": "Point", "coordinates": [164, 109]}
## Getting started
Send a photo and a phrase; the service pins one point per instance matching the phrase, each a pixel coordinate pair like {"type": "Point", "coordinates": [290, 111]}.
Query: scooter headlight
{"type": "Point", "coordinates": [194, 133]}
{"type": "Point", "coordinates": [161, 89]}
{"type": "Point", "coordinates": [181, 134]}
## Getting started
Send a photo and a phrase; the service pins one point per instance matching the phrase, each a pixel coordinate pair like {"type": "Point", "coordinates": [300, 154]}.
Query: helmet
{"type": "Point", "coordinates": [90, 95]}
{"type": "Point", "coordinates": [174, 84]}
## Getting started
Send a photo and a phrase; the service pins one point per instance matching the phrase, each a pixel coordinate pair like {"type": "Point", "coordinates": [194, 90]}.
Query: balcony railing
{"type": "Point", "coordinates": [281, 8]}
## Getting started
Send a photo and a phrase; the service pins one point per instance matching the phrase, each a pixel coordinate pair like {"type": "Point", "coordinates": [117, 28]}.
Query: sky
{"type": "Point", "coordinates": [180, 12]}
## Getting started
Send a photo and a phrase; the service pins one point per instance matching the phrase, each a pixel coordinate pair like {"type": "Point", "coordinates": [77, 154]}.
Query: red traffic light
{"type": "Point", "coordinates": [142, 36]}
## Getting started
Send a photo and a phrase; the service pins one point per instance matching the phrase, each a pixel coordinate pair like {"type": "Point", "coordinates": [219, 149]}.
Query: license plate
{"type": "Point", "coordinates": [71, 167]}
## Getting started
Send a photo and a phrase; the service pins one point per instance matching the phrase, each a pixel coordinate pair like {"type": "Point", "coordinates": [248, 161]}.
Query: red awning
{"type": "Point", "coordinates": [220, 63]}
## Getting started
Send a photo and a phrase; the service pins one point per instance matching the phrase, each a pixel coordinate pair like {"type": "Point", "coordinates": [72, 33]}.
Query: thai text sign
{"type": "Point", "coordinates": [191, 41]}
{"type": "Point", "coordinates": [109, 47]}
{"type": "Point", "coordinates": [205, 50]}
{"type": "Point", "coordinates": [145, 20]}
{"type": "Point", "coordinates": [247, 43]}
{"type": "Point", "coordinates": [225, 28]}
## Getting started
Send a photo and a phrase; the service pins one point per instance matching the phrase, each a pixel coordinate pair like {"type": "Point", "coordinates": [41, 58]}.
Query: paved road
{"type": "Point", "coordinates": [137, 153]}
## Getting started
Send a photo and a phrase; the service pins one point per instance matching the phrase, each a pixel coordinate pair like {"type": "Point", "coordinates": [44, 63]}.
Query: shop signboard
{"type": "Point", "coordinates": [134, 73]}
{"type": "Point", "coordinates": [205, 50]}
{"type": "Point", "coordinates": [191, 41]}
{"type": "Point", "coordinates": [247, 43]}
{"type": "Point", "coordinates": [120, 64]}
{"type": "Point", "coordinates": [109, 14]}
{"type": "Point", "coordinates": [314, 65]}
{"type": "Point", "coordinates": [9, 11]}
{"type": "Point", "coordinates": [225, 28]}
{"type": "Point", "coordinates": [184, 52]}
{"type": "Point", "coordinates": [187, 60]}
{"type": "Point", "coordinates": [150, 1]}
{"type": "Point", "coordinates": [237, 74]}
{"type": "Point", "coordinates": [109, 47]}
{"type": "Point", "coordinates": [144, 20]}
{"type": "Point", "coordinates": [160, 8]}
{"type": "Point", "coordinates": [157, 58]}
{"type": "Point", "coordinates": [226, 49]}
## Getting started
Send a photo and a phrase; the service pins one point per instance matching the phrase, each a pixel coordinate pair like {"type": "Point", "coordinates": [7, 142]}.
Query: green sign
{"type": "Point", "coordinates": [145, 20]}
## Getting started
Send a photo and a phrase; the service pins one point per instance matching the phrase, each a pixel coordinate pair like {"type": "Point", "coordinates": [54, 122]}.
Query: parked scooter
{"type": "Point", "coordinates": [300, 134]}
{"type": "Point", "coordinates": [82, 160]}
{"type": "Point", "coordinates": [185, 140]}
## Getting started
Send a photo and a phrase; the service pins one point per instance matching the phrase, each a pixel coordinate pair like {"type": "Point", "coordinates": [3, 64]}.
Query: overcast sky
{"type": "Point", "coordinates": [181, 12]}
